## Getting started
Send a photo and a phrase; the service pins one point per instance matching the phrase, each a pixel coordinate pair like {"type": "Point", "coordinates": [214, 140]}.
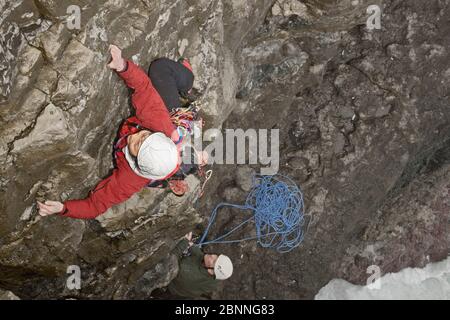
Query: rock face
{"type": "Point", "coordinates": [364, 119]}
{"type": "Point", "coordinates": [364, 123]}
{"type": "Point", "coordinates": [60, 111]}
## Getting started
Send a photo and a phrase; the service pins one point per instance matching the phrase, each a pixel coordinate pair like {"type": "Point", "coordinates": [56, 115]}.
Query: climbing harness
{"type": "Point", "coordinates": [278, 216]}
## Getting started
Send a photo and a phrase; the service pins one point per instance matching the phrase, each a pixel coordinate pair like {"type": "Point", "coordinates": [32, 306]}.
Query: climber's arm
{"type": "Point", "coordinates": [183, 245]}
{"type": "Point", "coordinates": [111, 191]}
{"type": "Point", "coordinates": [180, 248]}
{"type": "Point", "coordinates": [150, 108]}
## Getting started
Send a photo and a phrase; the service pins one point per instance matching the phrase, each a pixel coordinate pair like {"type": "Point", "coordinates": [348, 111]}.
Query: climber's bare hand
{"type": "Point", "coordinates": [50, 207]}
{"type": "Point", "coordinates": [117, 63]}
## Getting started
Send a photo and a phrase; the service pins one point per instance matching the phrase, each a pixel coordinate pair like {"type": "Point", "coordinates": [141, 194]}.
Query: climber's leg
{"type": "Point", "coordinates": [170, 78]}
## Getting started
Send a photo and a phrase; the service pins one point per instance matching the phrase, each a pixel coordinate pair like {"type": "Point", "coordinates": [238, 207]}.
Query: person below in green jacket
{"type": "Point", "coordinates": [199, 273]}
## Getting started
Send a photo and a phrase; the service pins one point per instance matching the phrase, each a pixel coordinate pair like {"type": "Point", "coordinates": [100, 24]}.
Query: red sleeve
{"type": "Point", "coordinates": [113, 190]}
{"type": "Point", "coordinates": [150, 108]}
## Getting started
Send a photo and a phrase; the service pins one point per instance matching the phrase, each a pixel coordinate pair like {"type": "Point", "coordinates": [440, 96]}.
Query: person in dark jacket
{"type": "Point", "coordinates": [199, 273]}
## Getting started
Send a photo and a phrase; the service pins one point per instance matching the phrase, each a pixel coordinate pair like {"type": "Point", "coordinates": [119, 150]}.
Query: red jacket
{"type": "Point", "coordinates": [152, 114]}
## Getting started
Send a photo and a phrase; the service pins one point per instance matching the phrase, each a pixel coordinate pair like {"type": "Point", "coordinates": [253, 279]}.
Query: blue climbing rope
{"type": "Point", "coordinates": [278, 216]}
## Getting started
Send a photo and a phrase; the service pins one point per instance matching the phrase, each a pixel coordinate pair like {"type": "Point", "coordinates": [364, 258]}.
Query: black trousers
{"type": "Point", "coordinates": [171, 79]}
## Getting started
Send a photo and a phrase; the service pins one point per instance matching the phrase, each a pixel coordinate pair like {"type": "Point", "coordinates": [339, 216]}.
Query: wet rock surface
{"type": "Point", "coordinates": [364, 123]}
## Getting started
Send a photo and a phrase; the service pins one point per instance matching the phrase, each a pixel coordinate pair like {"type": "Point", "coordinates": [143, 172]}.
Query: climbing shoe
{"type": "Point", "coordinates": [187, 98]}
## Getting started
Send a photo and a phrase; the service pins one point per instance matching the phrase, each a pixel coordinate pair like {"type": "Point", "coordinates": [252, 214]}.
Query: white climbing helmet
{"type": "Point", "coordinates": [157, 158]}
{"type": "Point", "coordinates": [223, 269]}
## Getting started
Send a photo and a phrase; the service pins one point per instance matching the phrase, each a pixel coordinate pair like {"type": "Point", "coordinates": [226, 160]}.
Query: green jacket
{"type": "Point", "coordinates": [193, 280]}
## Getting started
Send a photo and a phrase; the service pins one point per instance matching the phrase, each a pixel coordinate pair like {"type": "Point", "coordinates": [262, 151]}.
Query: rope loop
{"type": "Point", "coordinates": [278, 214]}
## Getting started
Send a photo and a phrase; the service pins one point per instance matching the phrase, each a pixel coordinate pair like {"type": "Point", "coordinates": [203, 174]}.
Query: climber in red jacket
{"type": "Point", "coordinates": [145, 151]}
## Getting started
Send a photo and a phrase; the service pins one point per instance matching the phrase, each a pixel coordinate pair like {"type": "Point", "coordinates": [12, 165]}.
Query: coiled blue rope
{"type": "Point", "coordinates": [278, 216]}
